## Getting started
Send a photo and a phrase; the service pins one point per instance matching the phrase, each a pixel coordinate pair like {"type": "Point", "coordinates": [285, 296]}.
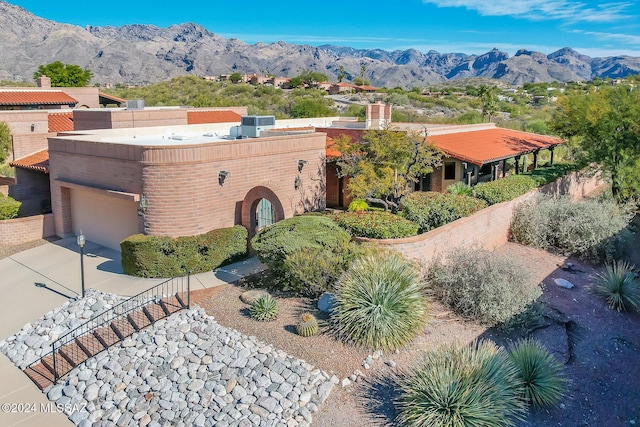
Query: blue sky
{"type": "Point", "coordinates": [594, 28]}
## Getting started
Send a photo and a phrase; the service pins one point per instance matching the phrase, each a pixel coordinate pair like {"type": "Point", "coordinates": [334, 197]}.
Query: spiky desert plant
{"type": "Point", "coordinates": [264, 308]}
{"type": "Point", "coordinates": [379, 302]}
{"type": "Point", "coordinates": [307, 325]}
{"type": "Point", "coordinates": [460, 188]}
{"type": "Point", "coordinates": [471, 386]}
{"type": "Point", "coordinates": [618, 286]}
{"type": "Point", "coordinates": [539, 372]}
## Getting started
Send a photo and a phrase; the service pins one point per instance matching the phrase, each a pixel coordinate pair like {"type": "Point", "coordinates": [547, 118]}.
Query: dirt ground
{"type": "Point", "coordinates": [599, 347]}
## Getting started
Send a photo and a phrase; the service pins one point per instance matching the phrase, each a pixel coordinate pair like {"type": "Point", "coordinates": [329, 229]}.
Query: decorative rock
{"type": "Point", "coordinates": [346, 382]}
{"type": "Point", "coordinates": [563, 283]}
{"type": "Point", "coordinates": [327, 302]}
{"type": "Point", "coordinates": [390, 363]}
{"type": "Point", "coordinates": [249, 297]}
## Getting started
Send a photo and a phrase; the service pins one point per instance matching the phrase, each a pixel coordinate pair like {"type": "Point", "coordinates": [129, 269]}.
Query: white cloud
{"type": "Point", "coordinates": [567, 10]}
{"type": "Point", "coordinates": [621, 38]}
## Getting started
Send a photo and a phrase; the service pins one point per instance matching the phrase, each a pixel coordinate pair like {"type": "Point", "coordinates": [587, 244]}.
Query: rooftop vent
{"type": "Point", "coordinates": [135, 104]}
{"type": "Point", "coordinates": [253, 125]}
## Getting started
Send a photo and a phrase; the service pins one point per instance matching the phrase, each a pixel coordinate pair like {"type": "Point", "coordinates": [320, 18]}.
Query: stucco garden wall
{"type": "Point", "coordinates": [488, 228]}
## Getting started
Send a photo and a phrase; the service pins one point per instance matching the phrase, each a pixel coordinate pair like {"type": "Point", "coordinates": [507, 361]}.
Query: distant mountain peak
{"type": "Point", "coordinates": [141, 54]}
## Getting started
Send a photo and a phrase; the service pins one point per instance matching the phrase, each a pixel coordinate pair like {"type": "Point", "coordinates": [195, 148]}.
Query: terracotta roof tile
{"type": "Point", "coordinates": [60, 122]}
{"type": "Point", "coordinates": [484, 146]}
{"type": "Point", "coordinates": [220, 116]}
{"type": "Point", "coordinates": [38, 161]}
{"type": "Point", "coordinates": [34, 97]}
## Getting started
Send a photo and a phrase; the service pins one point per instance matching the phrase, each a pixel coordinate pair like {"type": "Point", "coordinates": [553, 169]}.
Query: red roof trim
{"type": "Point", "coordinates": [38, 161]}
{"type": "Point", "coordinates": [36, 98]}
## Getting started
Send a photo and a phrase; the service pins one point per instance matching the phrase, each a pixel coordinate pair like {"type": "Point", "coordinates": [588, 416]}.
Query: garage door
{"type": "Point", "coordinates": [103, 219]}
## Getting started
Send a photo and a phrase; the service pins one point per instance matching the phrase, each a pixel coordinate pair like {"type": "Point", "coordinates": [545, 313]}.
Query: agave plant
{"type": "Point", "coordinates": [462, 386]}
{"type": "Point", "coordinates": [307, 326]}
{"type": "Point", "coordinates": [539, 372]}
{"type": "Point", "coordinates": [379, 303]}
{"type": "Point", "coordinates": [264, 308]}
{"type": "Point", "coordinates": [618, 286]}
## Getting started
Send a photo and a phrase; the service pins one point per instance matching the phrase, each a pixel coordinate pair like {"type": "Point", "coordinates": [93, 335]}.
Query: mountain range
{"type": "Point", "coordinates": [143, 54]}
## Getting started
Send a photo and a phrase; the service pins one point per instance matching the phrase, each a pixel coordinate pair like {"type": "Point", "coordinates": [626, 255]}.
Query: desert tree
{"type": "Point", "coordinates": [64, 75]}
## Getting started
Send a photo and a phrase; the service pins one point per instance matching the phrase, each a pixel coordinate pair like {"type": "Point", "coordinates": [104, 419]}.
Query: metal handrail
{"type": "Point", "coordinates": [174, 287]}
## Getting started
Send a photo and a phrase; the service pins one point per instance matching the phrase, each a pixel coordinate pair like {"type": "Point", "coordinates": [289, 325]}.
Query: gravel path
{"type": "Point", "coordinates": [8, 250]}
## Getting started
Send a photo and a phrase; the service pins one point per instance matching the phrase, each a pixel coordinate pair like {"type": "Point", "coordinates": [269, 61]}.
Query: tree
{"type": "Point", "coordinates": [5, 141]}
{"type": "Point", "coordinates": [604, 127]}
{"type": "Point", "coordinates": [235, 77]}
{"type": "Point", "coordinates": [384, 165]}
{"type": "Point", "coordinates": [342, 74]}
{"type": "Point", "coordinates": [489, 101]}
{"type": "Point", "coordinates": [64, 75]}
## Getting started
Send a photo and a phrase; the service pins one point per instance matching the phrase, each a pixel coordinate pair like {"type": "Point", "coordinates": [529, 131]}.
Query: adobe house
{"type": "Point", "coordinates": [180, 180]}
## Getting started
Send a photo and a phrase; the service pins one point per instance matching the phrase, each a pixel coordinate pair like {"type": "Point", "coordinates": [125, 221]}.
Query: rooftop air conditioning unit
{"type": "Point", "coordinates": [135, 104]}
{"type": "Point", "coordinates": [251, 126]}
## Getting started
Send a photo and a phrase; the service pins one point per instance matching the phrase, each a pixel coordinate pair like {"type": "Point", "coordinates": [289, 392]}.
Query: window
{"type": "Point", "coordinates": [449, 170]}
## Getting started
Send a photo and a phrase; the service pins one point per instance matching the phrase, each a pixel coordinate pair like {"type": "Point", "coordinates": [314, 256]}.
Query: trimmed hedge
{"type": "Point", "coordinates": [274, 243]}
{"type": "Point", "coordinates": [547, 174]}
{"type": "Point", "coordinates": [161, 256]}
{"type": "Point", "coordinates": [376, 225]}
{"type": "Point", "coordinates": [432, 209]}
{"type": "Point", "coordinates": [505, 189]}
{"type": "Point", "coordinates": [8, 207]}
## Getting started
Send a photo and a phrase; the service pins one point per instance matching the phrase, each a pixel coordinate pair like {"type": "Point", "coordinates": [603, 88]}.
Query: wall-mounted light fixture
{"type": "Point", "coordinates": [301, 164]}
{"type": "Point", "coordinates": [33, 127]}
{"type": "Point", "coordinates": [142, 205]}
{"type": "Point", "coordinates": [222, 175]}
{"type": "Point", "coordinates": [297, 183]}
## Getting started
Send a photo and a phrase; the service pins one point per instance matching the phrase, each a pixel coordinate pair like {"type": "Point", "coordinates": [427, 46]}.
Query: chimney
{"type": "Point", "coordinates": [378, 115]}
{"type": "Point", "coordinates": [44, 82]}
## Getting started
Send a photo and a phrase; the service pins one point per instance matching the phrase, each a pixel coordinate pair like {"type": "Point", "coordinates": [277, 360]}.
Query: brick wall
{"type": "Point", "coordinates": [22, 230]}
{"type": "Point", "coordinates": [31, 188]}
{"type": "Point", "coordinates": [488, 228]}
{"type": "Point", "coordinates": [180, 181]}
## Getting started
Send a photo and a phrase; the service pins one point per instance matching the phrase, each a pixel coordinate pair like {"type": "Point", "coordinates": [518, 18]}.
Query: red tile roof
{"type": "Point", "coordinates": [35, 97]}
{"type": "Point", "coordinates": [38, 161]}
{"type": "Point", "coordinates": [60, 122]}
{"type": "Point", "coordinates": [221, 116]}
{"type": "Point", "coordinates": [484, 146]}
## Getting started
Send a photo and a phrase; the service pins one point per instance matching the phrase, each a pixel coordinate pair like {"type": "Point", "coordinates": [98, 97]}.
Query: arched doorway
{"type": "Point", "coordinates": [261, 207]}
{"type": "Point", "coordinates": [265, 214]}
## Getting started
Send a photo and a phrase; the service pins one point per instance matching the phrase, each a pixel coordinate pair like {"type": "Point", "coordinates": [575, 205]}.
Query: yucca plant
{"type": "Point", "coordinates": [470, 386]}
{"type": "Point", "coordinates": [264, 309]}
{"type": "Point", "coordinates": [618, 286]}
{"type": "Point", "coordinates": [379, 302]}
{"type": "Point", "coordinates": [539, 372]}
{"type": "Point", "coordinates": [307, 325]}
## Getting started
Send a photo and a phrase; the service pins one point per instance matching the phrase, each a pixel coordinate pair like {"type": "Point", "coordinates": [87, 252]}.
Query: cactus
{"type": "Point", "coordinates": [264, 309]}
{"type": "Point", "coordinates": [307, 326]}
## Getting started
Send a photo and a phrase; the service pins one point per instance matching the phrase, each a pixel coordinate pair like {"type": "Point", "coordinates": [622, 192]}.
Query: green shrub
{"type": "Point", "coordinates": [275, 243]}
{"type": "Point", "coordinates": [264, 309]}
{"type": "Point", "coordinates": [482, 285]}
{"type": "Point", "coordinates": [460, 188]}
{"type": "Point", "coordinates": [358, 205]}
{"type": "Point", "coordinates": [547, 174]}
{"type": "Point", "coordinates": [431, 209]}
{"type": "Point", "coordinates": [463, 387]}
{"type": "Point", "coordinates": [376, 225]}
{"type": "Point", "coordinates": [159, 256]}
{"type": "Point", "coordinates": [591, 229]}
{"type": "Point", "coordinates": [379, 303]}
{"type": "Point", "coordinates": [9, 207]}
{"type": "Point", "coordinates": [505, 189]}
{"type": "Point", "coordinates": [618, 286]}
{"type": "Point", "coordinates": [307, 253]}
{"type": "Point", "coordinates": [539, 372]}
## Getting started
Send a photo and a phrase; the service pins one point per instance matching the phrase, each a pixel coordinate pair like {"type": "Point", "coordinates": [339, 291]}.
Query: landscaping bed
{"type": "Point", "coordinates": [599, 347]}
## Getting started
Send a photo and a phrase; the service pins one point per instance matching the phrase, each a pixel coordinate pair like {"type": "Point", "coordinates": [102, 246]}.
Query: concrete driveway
{"type": "Point", "coordinates": [38, 280]}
